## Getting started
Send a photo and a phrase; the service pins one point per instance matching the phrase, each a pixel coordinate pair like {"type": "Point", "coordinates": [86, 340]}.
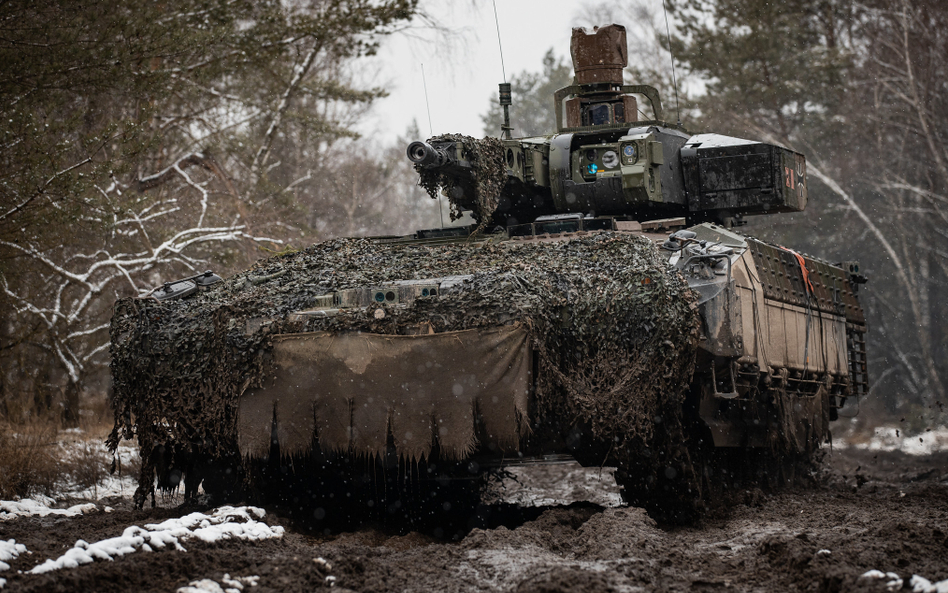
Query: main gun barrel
{"type": "Point", "coordinates": [426, 155]}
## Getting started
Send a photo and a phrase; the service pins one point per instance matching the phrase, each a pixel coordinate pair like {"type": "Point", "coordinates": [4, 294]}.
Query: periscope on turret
{"type": "Point", "coordinates": [602, 309]}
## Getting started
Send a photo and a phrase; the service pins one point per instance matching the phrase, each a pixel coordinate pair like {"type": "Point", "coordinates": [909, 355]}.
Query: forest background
{"type": "Point", "coordinates": [142, 142]}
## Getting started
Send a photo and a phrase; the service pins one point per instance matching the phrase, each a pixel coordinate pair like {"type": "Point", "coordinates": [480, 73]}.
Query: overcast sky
{"type": "Point", "coordinates": [462, 76]}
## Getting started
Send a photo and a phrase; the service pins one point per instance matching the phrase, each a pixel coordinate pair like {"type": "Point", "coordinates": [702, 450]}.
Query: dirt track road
{"type": "Point", "coordinates": [873, 511]}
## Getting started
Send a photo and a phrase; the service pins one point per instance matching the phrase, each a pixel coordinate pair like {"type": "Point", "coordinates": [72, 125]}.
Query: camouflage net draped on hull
{"type": "Point", "coordinates": [614, 332]}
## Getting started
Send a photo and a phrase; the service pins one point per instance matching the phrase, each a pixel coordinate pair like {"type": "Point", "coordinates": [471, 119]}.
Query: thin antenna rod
{"type": "Point", "coordinates": [499, 45]}
{"type": "Point", "coordinates": [441, 209]}
{"type": "Point", "coordinates": [427, 104]}
{"type": "Point", "coordinates": [505, 96]}
{"type": "Point", "coordinates": [674, 78]}
{"type": "Point", "coordinates": [430, 134]}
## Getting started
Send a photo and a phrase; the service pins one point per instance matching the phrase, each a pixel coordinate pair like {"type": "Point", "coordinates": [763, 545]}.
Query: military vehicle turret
{"type": "Point", "coordinates": [609, 157]}
{"type": "Point", "coordinates": [601, 309]}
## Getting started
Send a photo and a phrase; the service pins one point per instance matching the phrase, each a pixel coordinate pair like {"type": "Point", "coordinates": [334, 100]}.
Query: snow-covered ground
{"type": "Point", "coordinates": [223, 523]}
{"type": "Point", "coordinates": [73, 444]}
{"type": "Point", "coordinates": [894, 582]}
{"type": "Point", "coordinates": [9, 550]}
{"type": "Point", "coordinates": [122, 483]}
{"type": "Point", "coordinates": [241, 523]}
{"type": "Point", "coordinates": [40, 506]}
{"type": "Point", "coordinates": [227, 585]}
{"type": "Point", "coordinates": [121, 486]}
{"type": "Point", "coordinates": [891, 438]}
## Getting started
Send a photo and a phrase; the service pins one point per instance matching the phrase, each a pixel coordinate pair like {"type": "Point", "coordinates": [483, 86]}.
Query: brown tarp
{"type": "Point", "coordinates": [350, 389]}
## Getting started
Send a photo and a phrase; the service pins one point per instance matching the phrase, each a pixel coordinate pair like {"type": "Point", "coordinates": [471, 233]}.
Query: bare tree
{"type": "Point", "coordinates": [141, 141]}
{"type": "Point", "coordinates": [67, 290]}
{"type": "Point", "coordinates": [367, 191]}
{"type": "Point", "coordinates": [903, 77]}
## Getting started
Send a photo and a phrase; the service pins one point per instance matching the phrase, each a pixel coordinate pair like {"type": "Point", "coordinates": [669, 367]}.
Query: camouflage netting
{"type": "Point", "coordinates": [488, 171]}
{"type": "Point", "coordinates": [614, 330]}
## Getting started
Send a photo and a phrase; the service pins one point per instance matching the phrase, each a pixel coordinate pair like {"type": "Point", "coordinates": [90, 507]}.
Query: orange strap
{"type": "Point", "coordinates": [803, 270]}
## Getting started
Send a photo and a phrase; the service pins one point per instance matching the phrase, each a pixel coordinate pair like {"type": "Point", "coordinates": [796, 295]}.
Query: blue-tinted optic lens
{"type": "Point", "coordinates": [592, 168]}
{"type": "Point", "coordinates": [379, 297]}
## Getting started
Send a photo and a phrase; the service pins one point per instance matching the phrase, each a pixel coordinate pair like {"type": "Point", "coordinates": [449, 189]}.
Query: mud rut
{"type": "Point", "coordinates": [883, 511]}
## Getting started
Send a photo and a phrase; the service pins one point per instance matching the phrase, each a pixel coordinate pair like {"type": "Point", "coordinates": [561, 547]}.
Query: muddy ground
{"type": "Point", "coordinates": [870, 510]}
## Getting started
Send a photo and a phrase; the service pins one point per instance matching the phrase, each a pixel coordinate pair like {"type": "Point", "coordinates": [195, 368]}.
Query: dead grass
{"type": "Point", "coordinates": [38, 458]}
{"type": "Point", "coordinates": [127, 464]}
{"type": "Point", "coordinates": [29, 461]}
{"type": "Point", "coordinates": [86, 464]}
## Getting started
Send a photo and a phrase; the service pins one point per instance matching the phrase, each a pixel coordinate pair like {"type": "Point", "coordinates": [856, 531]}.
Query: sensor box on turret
{"type": "Point", "coordinates": [742, 176]}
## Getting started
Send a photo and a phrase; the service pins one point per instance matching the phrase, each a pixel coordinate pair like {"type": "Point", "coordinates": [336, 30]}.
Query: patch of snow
{"type": "Point", "coordinates": [43, 499]}
{"type": "Point", "coordinates": [322, 564]}
{"type": "Point", "coordinates": [492, 569]}
{"type": "Point", "coordinates": [202, 586]}
{"type": "Point", "coordinates": [917, 583]}
{"type": "Point", "coordinates": [39, 507]}
{"type": "Point", "coordinates": [230, 585]}
{"type": "Point", "coordinates": [717, 140]}
{"type": "Point", "coordinates": [239, 582]}
{"type": "Point", "coordinates": [112, 486]}
{"type": "Point", "coordinates": [224, 523]}
{"type": "Point", "coordinates": [823, 552]}
{"type": "Point", "coordinates": [894, 582]}
{"type": "Point", "coordinates": [325, 567]}
{"type": "Point", "coordinates": [923, 585]}
{"type": "Point", "coordinates": [121, 485]}
{"type": "Point", "coordinates": [891, 438]}
{"type": "Point", "coordinates": [9, 550]}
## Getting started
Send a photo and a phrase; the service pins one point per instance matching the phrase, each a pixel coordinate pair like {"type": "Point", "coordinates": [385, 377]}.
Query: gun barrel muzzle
{"type": "Point", "coordinates": [426, 155]}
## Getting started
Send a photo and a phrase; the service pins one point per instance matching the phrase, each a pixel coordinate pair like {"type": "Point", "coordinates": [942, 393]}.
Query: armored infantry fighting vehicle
{"type": "Point", "coordinates": [602, 309]}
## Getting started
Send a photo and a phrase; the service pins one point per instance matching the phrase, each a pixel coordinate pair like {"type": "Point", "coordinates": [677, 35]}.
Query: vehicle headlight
{"type": "Point", "coordinates": [610, 159]}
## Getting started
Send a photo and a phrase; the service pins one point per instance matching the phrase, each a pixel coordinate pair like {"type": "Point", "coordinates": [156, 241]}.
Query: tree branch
{"type": "Point", "coordinates": [302, 69]}
{"type": "Point", "coordinates": [42, 189]}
